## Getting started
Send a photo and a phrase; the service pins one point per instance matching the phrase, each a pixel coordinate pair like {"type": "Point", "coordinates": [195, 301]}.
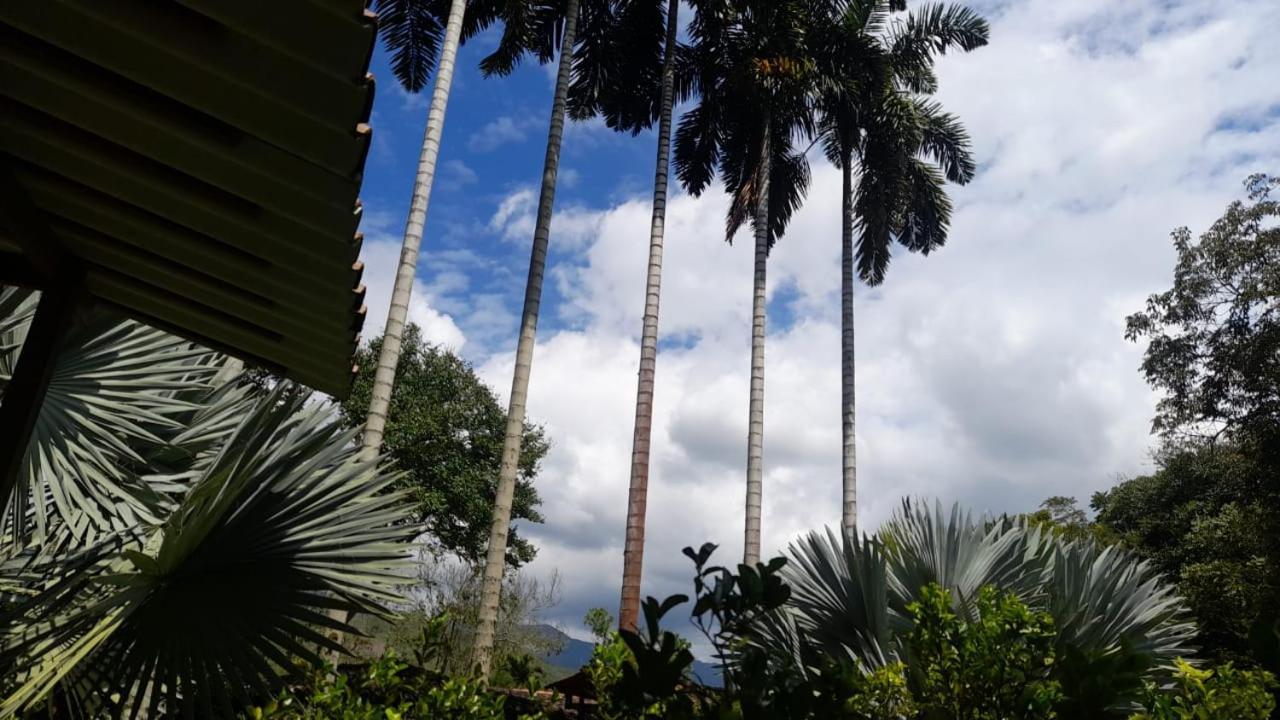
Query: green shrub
{"type": "Point", "coordinates": [387, 689]}
{"type": "Point", "coordinates": [1221, 693]}
{"type": "Point", "coordinates": [605, 671]}
{"type": "Point", "coordinates": [994, 667]}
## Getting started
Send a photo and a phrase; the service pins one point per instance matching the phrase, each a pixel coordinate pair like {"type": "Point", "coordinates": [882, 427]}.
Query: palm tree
{"type": "Point", "coordinates": [755, 76]}
{"type": "Point", "coordinates": [531, 28]}
{"type": "Point", "coordinates": [638, 64]}
{"type": "Point", "coordinates": [1118, 624]}
{"type": "Point", "coordinates": [178, 535]}
{"type": "Point", "coordinates": [875, 121]}
{"type": "Point", "coordinates": [411, 30]}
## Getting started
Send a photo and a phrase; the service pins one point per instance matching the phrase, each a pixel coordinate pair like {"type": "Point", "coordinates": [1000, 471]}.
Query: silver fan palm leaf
{"type": "Point", "coordinates": [839, 599]}
{"type": "Point", "coordinates": [960, 554]}
{"type": "Point", "coordinates": [116, 396]}
{"type": "Point", "coordinates": [210, 609]}
{"type": "Point", "coordinates": [1118, 623]}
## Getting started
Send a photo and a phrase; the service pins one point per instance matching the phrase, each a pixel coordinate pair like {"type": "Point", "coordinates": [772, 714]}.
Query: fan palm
{"type": "Point", "coordinates": [411, 30]}
{"type": "Point", "coordinates": [1117, 622]}
{"type": "Point", "coordinates": [753, 68]}
{"type": "Point", "coordinates": [875, 121]}
{"type": "Point", "coordinates": [124, 388]}
{"type": "Point", "coordinates": [190, 557]}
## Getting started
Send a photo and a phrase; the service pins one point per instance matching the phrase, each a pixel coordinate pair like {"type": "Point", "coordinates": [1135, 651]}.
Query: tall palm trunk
{"type": "Point", "coordinates": [495, 561]}
{"type": "Point", "coordinates": [637, 500]}
{"type": "Point", "coordinates": [849, 506]}
{"type": "Point", "coordinates": [755, 415]}
{"type": "Point", "coordinates": [385, 377]}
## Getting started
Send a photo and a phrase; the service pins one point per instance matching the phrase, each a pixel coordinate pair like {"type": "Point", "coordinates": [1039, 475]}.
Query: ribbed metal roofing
{"type": "Point", "coordinates": [200, 159]}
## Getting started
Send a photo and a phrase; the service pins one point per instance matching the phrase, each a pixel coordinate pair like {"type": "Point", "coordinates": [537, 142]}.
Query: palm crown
{"type": "Point", "coordinates": [874, 117]}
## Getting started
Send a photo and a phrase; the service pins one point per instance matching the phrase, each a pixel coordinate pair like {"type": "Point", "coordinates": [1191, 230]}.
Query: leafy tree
{"type": "Point", "coordinates": [1209, 515]}
{"type": "Point", "coordinates": [1214, 337]}
{"type": "Point", "coordinates": [1208, 518]}
{"type": "Point", "coordinates": [445, 431]}
{"type": "Point", "coordinates": [436, 631]}
{"type": "Point", "coordinates": [1063, 516]}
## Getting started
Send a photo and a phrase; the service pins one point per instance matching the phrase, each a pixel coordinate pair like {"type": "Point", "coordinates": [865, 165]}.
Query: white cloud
{"type": "Point", "coordinates": [458, 174]}
{"type": "Point", "coordinates": [572, 227]}
{"type": "Point", "coordinates": [994, 373]}
{"type": "Point", "coordinates": [381, 257]}
{"type": "Point", "coordinates": [501, 131]}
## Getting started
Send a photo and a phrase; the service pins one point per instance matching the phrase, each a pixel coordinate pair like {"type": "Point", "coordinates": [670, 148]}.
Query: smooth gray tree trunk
{"type": "Point", "coordinates": [849, 466]}
{"type": "Point", "coordinates": [755, 415]}
{"type": "Point", "coordinates": [385, 376]}
{"type": "Point", "coordinates": [637, 497]}
{"type": "Point", "coordinates": [495, 561]}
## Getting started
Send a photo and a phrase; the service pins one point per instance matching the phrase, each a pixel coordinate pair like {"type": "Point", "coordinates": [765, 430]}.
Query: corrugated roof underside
{"type": "Point", "coordinates": [202, 157]}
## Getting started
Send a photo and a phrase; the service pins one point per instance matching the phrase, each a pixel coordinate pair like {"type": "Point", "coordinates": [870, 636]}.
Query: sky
{"type": "Point", "coordinates": [993, 373]}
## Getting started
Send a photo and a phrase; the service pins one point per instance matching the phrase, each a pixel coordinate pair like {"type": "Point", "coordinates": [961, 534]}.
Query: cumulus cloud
{"type": "Point", "coordinates": [499, 132]}
{"type": "Point", "coordinates": [381, 257]}
{"type": "Point", "coordinates": [573, 226]}
{"type": "Point", "coordinates": [994, 373]}
{"type": "Point", "coordinates": [457, 174]}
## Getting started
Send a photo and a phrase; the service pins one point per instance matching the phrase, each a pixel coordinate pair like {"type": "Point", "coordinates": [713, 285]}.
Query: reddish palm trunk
{"type": "Point", "coordinates": [637, 500]}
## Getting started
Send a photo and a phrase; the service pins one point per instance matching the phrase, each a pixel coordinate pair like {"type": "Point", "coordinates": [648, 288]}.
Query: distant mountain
{"type": "Point", "coordinates": [575, 653]}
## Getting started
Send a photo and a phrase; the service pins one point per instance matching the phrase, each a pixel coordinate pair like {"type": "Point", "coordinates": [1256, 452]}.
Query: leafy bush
{"type": "Point", "coordinates": [387, 689]}
{"type": "Point", "coordinates": [1223, 693]}
{"type": "Point", "coordinates": [997, 666]}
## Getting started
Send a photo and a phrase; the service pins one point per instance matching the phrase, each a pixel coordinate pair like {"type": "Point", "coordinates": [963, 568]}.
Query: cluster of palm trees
{"type": "Point", "coordinates": [767, 80]}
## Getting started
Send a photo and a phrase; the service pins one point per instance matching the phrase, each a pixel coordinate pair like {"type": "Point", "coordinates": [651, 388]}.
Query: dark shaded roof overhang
{"type": "Point", "coordinates": [199, 162]}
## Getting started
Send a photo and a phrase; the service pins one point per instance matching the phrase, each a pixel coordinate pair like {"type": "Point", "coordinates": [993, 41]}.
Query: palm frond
{"type": "Point", "coordinates": [839, 597]}
{"type": "Point", "coordinates": [874, 202]}
{"type": "Point", "coordinates": [211, 609]}
{"type": "Point", "coordinates": [925, 213]}
{"type": "Point", "coordinates": [17, 306]}
{"type": "Point", "coordinates": [599, 58]}
{"type": "Point", "coordinates": [114, 397]}
{"type": "Point", "coordinates": [697, 147]}
{"type": "Point", "coordinates": [945, 140]}
{"type": "Point", "coordinates": [413, 31]}
{"type": "Point", "coordinates": [1118, 624]}
{"type": "Point", "coordinates": [960, 554]}
{"type": "Point", "coordinates": [1117, 619]}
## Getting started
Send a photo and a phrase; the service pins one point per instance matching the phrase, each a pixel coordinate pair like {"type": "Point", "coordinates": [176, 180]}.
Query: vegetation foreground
{"type": "Point", "coordinates": [939, 616]}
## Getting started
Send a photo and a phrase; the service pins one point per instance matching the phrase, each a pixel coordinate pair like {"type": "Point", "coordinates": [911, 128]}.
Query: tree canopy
{"type": "Point", "coordinates": [1215, 335]}
{"type": "Point", "coordinates": [444, 431]}
{"type": "Point", "coordinates": [1209, 516]}
{"type": "Point", "coordinates": [1208, 519]}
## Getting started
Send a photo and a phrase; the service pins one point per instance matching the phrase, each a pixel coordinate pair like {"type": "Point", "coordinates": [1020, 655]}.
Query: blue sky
{"type": "Point", "coordinates": [993, 373]}
{"type": "Point", "coordinates": [493, 146]}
